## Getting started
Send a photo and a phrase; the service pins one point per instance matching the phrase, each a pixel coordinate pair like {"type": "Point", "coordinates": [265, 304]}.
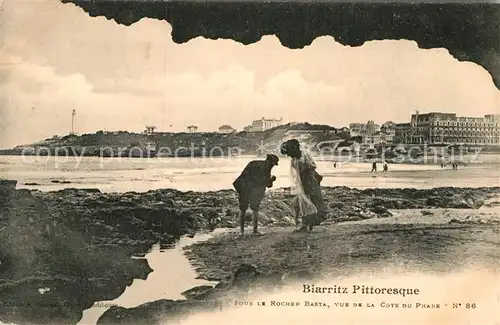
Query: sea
{"type": "Point", "coordinates": [203, 174]}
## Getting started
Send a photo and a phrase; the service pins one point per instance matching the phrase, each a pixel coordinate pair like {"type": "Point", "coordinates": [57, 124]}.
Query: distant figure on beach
{"type": "Point", "coordinates": [308, 203]}
{"type": "Point", "coordinates": [335, 165]}
{"type": "Point", "coordinates": [251, 187]}
{"type": "Point", "coordinates": [374, 167]}
{"type": "Point", "coordinates": [386, 168]}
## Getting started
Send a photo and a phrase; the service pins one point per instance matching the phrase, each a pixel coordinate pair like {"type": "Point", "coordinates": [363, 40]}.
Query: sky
{"type": "Point", "coordinates": [55, 58]}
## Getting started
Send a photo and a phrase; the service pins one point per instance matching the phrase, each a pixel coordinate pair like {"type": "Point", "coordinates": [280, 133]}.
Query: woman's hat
{"type": "Point", "coordinates": [287, 145]}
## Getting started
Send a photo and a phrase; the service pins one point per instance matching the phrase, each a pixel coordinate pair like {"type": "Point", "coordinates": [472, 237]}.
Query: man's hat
{"type": "Point", "coordinates": [273, 158]}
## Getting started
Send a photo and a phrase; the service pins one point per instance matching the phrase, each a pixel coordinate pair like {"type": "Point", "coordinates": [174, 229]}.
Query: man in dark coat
{"type": "Point", "coordinates": [251, 187]}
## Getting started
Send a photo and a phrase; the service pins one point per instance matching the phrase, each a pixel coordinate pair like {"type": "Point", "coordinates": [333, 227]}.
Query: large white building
{"type": "Point", "coordinates": [263, 124]}
{"type": "Point", "coordinates": [448, 128]}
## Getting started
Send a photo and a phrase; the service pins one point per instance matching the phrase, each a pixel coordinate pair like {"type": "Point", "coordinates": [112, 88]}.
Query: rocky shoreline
{"type": "Point", "coordinates": [62, 251]}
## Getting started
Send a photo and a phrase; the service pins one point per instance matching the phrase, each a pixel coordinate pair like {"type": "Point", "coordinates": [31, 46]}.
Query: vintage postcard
{"type": "Point", "coordinates": [230, 162]}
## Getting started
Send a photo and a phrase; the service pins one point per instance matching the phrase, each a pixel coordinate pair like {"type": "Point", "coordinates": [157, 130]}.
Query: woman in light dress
{"type": "Point", "coordinates": [308, 203]}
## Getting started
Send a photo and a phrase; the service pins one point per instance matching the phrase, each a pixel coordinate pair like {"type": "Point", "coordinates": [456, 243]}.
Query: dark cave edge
{"type": "Point", "coordinates": [468, 30]}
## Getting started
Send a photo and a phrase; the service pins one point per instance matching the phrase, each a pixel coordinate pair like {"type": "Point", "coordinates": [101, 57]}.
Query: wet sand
{"type": "Point", "coordinates": [437, 242]}
{"type": "Point", "coordinates": [446, 240]}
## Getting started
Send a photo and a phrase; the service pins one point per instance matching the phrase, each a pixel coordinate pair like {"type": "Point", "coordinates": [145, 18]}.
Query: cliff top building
{"type": "Point", "coordinates": [263, 124]}
{"type": "Point", "coordinates": [150, 129]}
{"type": "Point", "coordinates": [226, 129]}
{"type": "Point", "coordinates": [192, 128]}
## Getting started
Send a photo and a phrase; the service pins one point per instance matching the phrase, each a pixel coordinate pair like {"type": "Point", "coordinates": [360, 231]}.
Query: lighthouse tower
{"type": "Point", "coordinates": [73, 122]}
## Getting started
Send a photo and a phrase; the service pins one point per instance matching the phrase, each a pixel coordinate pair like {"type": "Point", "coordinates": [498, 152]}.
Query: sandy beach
{"type": "Point", "coordinates": [434, 241]}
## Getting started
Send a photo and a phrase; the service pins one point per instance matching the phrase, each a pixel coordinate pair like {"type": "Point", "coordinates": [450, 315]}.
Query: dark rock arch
{"type": "Point", "coordinates": [469, 31]}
